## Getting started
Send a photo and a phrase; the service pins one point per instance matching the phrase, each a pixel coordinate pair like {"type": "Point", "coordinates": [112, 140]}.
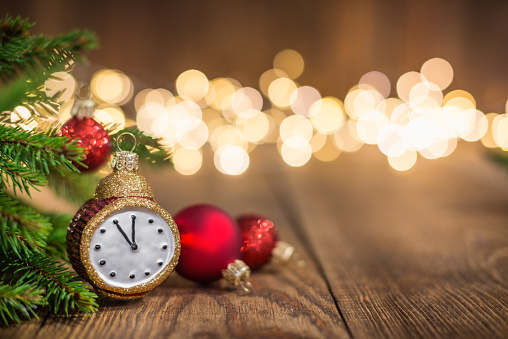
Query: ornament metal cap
{"type": "Point", "coordinates": [83, 106]}
{"type": "Point", "coordinates": [238, 274]}
{"type": "Point", "coordinates": [124, 181]}
{"type": "Point", "coordinates": [285, 253]}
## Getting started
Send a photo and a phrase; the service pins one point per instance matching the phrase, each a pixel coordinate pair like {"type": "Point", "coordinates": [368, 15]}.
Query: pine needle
{"type": "Point", "coordinates": [62, 291]}
{"type": "Point", "coordinates": [19, 300]}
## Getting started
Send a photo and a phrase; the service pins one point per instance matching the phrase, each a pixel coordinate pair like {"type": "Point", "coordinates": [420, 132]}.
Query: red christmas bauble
{"type": "Point", "coordinates": [259, 237]}
{"type": "Point", "coordinates": [210, 240]}
{"type": "Point", "coordinates": [92, 137]}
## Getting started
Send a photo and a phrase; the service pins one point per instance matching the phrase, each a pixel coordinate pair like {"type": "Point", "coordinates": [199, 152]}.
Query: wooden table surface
{"type": "Point", "coordinates": [421, 254]}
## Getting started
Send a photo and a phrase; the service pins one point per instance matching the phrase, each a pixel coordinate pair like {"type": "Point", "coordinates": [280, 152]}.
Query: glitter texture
{"type": "Point", "coordinates": [122, 189]}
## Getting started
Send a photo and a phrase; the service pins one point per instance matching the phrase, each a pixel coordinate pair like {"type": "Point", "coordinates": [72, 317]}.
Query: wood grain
{"type": "Point", "coordinates": [289, 301]}
{"type": "Point", "coordinates": [423, 254]}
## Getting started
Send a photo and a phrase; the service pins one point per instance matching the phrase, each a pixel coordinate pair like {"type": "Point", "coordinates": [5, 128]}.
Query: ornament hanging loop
{"type": "Point", "coordinates": [247, 286]}
{"type": "Point", "coordinates": [120, 137]}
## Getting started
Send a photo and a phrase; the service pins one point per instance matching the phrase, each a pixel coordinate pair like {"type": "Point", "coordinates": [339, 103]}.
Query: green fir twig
{"type": "Point", "coordinates": [22, 229]}
{"type": "Point", "coordinates": [39, 151]}
{"type": "Point", "coordinates": [62, 291]}
{"type": "Point", "coordinates": [19, 300]}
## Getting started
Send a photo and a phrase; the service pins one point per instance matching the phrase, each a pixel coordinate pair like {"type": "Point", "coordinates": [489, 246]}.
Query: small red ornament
{"type": "Point", "coordinates": [90, 135]}
{"type": "Point", "coordinates": [259, 237]}
{"type": "Point", "coordinates": [210, 241]}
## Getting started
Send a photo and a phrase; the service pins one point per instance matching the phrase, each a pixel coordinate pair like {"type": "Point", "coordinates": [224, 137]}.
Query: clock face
{"type": "Point", "coordinates": [131, 247]}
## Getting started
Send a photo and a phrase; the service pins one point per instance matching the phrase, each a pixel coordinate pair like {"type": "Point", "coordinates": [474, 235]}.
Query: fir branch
{"type": "Point", "coordinates": [76, 188]}
{"type": "Point", "coordinates": [16, 300]}
{"type": "Point", "coordinates": [63, 291]}
{"type": "Point", "coordinates": [150, 150]}
{"type": "Point", "coordinates": [39, 151]}
{"type": "Point", "coordinates": [20, 177]}
{"type": "Point", "coordinates": [22, 229]}
{"type": "Point", "coordinates": [21, 52]}
{"type": "Point", "coordinates": [56, 241]}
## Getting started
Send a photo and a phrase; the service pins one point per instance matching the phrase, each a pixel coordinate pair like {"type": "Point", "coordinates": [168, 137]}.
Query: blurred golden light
{"type": "Point", "coordinates": [426, 94]}
{"type": "Point", "coordinates": [215, 124]}
{"type": "Point", "coordinates": [369, 125]}
{"type": "Point", "coordinates": [280, 90]}
{"type": "Point", "coordinates": [194, 138]}
{"type": "Point", "coordinates": [436, 150]}
{"type": "Point", "coordinates": [60, 82]}
{"type": "Point", "coordinates": [290, 61]}
{"type": "Point", "coordinates": [499, 130]}
{"type": "Point", "coordinates": [406, 83]}
{"type": "Point", "coordinates": [329, 116]}
{"type": "Point", "coordinates": [152, 119]}
{"type": "Point", "coordinates": [403, 162]}
{"type": "Point", "coordinates": [161, 96]}
{"type": "Point", "coordinates": [421, 132]}
{"type": "Point", "coordinates": [303, 99]}
{"type": "Point", "coordinates": [328, 152]}
{"type": "Point", "coordinates": [392, 141]}
{"type": "Point", "coordinates": [364, 101]}
{"type": "Point", "coordinates": [452, 145]}
{"type": "Point", "coordinates": [346, 137]}
{"type": "Point", "coordinates": [64, 113]}
{"type": "Point", "coordinates": [438, 71]}
{"type": "Point", "coordinates": [296, 151]}
{"type": "Point", "coordinates": [246, 99]}
{"type": "Point", "coordinates": [458, 93]}
{"type": "Point", "coordinates": [209, 97]}
{"type": "Point", "coordinates": [224, 90]}
{"type": "Point", "coordinates": [187, 161]}
{"type": "Point", "coordinates": [112, 86]}
{"type": "Point", "coordinates": [209, 115]}
{"type": "Point", "coordinates": [110, 115]}
{"type": "Point", "coordinates": [19, 113]}
{"type": "Point", "coordinates": [253, 129]}
{"type": "Point", "coordinates": [192, 85]}
{"type": "Point", "coordinates": [317, 142]}
{"type": "Point", "coordinates": [296, 125]}
{"type": "Point", "coordinates": [232, 160]}
{"type": "Point", "coordinates": [401, 114]}
{"type": "Point", "coordinates": [227, 135]}
{"type": "Point", "coordinates": [377, 81]}
{"type": "Point", "coordinates": [273, 130]}
{"type": "Point", "coordinates": [461, 103]}
{"type": "Point", "coordinates": [488, 139]}
{"type": "Point", "coordinates": [268, 77]}
{"type": "Point", "coordinates": [475, 125]}
{"type": "Point", "coordinates": [186, 115]}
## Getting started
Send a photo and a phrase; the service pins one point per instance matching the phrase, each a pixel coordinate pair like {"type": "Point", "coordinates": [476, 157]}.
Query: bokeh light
{"type": "Point", "coordinates": [192, 85]}
{"type": "Point", "coordinates": [112, 86]}
{"type": "Point", "coordinates": [290, 61]}
{"type": "Point", "coordinates": [187, 161]}
{"type": "Point", "coordinates": [61, 82]}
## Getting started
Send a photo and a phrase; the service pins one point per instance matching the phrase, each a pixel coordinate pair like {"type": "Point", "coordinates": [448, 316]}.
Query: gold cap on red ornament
{"type": "Point", "coordinates": [238, 274]}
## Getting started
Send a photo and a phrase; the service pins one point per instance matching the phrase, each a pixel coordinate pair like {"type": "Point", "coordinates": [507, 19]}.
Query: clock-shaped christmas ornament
{"type": "Point", "coordinates": [121, 241]}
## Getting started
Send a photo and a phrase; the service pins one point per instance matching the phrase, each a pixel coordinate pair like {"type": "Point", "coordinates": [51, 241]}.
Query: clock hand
{"type": "Point", "coordinates": [133, 229]}
{"type": "Point", "coordinates": [133, 246]}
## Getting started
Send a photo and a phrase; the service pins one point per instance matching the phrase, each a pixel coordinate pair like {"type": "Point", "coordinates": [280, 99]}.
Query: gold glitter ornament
{"type": "Point", "coordinates": [121, 241]}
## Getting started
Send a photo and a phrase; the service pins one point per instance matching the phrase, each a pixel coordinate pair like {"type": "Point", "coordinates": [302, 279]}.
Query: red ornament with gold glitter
{"type": "Point", "coordinates": [260, 243]}
{"type": "Point", "coordinates": [210, 246]}
{"type": "Point", "coordinates": [259, 237]}
{"type": "Point", "coordinates": [88, 133]}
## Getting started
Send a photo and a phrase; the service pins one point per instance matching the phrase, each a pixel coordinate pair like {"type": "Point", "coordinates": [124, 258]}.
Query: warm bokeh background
{"type": "Point", "coordinates": [154, 41]}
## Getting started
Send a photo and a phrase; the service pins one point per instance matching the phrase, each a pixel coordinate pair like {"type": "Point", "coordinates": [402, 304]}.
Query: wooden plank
{"type": "Point", "coordinates": [421, 254]}
{"type": "Point", "coordinates": [289, 301]}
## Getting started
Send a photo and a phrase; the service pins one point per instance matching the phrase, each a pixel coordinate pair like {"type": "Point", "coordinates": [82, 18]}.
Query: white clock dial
{"type": "Point", "coordinates": [131, 247]}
